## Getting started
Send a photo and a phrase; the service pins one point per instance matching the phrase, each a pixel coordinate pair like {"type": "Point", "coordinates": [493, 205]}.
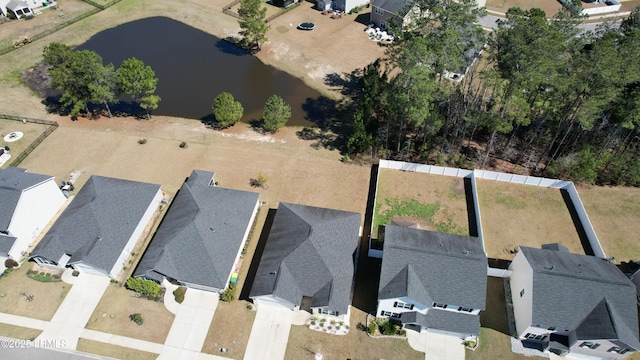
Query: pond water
{"type": "Point", "coordinates": [193, 67]}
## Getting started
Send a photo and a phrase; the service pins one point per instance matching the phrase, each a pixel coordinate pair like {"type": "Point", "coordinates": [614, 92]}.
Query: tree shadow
{"type": "Point", "coordinates": [231, 46]}
{"type": "Point", "coordinates": [347, 84]}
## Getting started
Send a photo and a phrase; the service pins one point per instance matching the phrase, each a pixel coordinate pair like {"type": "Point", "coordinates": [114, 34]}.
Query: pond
{"type": "Point", "coordinates": [193, 67]}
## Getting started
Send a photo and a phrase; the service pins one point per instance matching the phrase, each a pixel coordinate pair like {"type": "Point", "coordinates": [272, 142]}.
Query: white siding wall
{"type": "Point", "coordinates": [244, 240]}
{"type": "Point", "coordinates": [387, 305]}
{"type": "Point", "coordinates": [82, 268]}
{"type": "Point", "coordinates": [270, 300]}
{"type": "Point", "coordinates": [135, 236]}
{"type": "Point", "coordinates": [522, 278]}
{"type": "Point", "coordinates": [36, 207]}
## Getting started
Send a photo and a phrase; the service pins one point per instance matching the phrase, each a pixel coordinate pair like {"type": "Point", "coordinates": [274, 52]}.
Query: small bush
{"type": "Point", "coordinates": [313, 322]}
{"type": "Point", "coordinates": [42, 273]}
{"type": "Point", "coordinates": [183, 145]}
{"type": "Point", "coordinates": [75, 273]}
{"type": "Point", "coordinates": [47, 275]}
{"type": "Point", "coordinates": [372, 328]}
{"type": "Point", "coordinates": [142, 141]}
{"type": "Point", "coordinates": [10, 263]}
{"type": "Point", "coordinates": [136, 318]}
{"type": "Point", "coordinates": [229, 294]}
{"type": "Point", "coordinates": [178, 294]}
{"type": "Point", "coordinates": [56, 277]}
{"type": "Point", "coordinates": [31, 272]}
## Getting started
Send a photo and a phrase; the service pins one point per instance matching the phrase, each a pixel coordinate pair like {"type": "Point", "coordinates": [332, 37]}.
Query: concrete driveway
{"type": "Point", "coordinates": [75, 311]}
{"type": "Point", "coordinates": [436, 346]}
{"type": "Point", "coordinates": [190, 326]}
{"type": "Point", "coordinates": [269, 334]}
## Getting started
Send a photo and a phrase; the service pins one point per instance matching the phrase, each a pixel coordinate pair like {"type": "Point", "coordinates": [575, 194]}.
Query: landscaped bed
{"type": "Point", "coordinates": [23, 296]}
{"type": "Point", "coordinates": [523, 215]}
{"type": "Point", "coordinates": [117, 304]}
{"type": "Point", "coordinates": [432, 202]}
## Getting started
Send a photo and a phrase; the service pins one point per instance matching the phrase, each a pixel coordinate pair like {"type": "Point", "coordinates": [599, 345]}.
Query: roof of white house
{"type": "Point", "coordinates": [432, 267]}
{"type": "Point", "coordinates": [309, 252]}
{"type": "Point", "coordinates": [199, 238]}
{"type": "Point", "coordinates": [583, 294]}
{"type": "Point", "coordinates": [98, 223]}
{"type": "Point", "coordinates": [13, 181]}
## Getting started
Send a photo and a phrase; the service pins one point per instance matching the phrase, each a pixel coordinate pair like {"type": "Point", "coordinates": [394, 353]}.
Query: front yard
{"type": "Point", "coordinates": [113, 351]}
{"type": "Point", "coordinates": [230, 329]}
{"type": "Point", "coordinates": [16, 286]}
{"type": "Point", "coordinates": [304, 343]}
{"type": "Point", "coordinates": [112, 316]}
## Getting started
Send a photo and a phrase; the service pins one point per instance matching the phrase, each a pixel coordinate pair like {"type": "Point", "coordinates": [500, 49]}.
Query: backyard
{"type": "Point", "coordinates": [16, 286]}
{"type": "Point", "coordinates": [29, 130]}
{"type": "Point", "coordinates": [514, 215]}
{"type": "Point", "coordinates": [431, 202]}
{"type": "Point", "coordinates": [112, 316]}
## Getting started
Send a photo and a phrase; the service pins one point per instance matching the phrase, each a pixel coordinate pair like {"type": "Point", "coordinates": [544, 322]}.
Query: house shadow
{"type": "Point", "coordinates": [495, 315]}
{"type": "Point", "coordinates": [257, 256]}
{"type": "Point", "coordinates": [364, 19]}
{"type": "Point", "coordinates": [365, 294]}
{"type": "Point", "coordinates": [471, 209]}
{"type": "Point", "coordinates": [584, 240]}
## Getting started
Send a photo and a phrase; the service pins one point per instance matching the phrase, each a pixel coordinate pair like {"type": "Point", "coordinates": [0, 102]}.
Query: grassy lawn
{"type": "Point", "coordinates": [614, 213]}
{"type": "Point", "coordinates": [30, 130]}
{"type": "Point", "coordinates": [495, 342]}
{"type": "Point", "coordinates": [230, 328]}
{"type": "Point", "coordinates": [514, 215]}
{"type": "Point", "coordinates": [114, 351]}
{"type": "Point", "coordinates": [304, 343]}
{"type": "Point", "coordinates": [431, 201]}
{"type": "Point", "coordinates": [18, 332]}
{"type": "Point", "coordinates": [47, 297]}
{"type": "Point", "coordinates": [112, 316]}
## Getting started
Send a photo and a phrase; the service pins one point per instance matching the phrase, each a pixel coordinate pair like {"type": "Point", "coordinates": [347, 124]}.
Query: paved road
{"type": "Point", "coordinates": [269, 334]}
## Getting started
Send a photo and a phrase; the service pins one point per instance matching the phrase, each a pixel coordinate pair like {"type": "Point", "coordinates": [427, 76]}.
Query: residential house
{"type": "Point", "coordinates": [568, 303]}
{"type": "Point", "coordinates": [29, 203]}
{"type": "Point", "coordinates": [342, 5]}
{"type": "Point", "coordinates": [384, 12]}
{"type": "Point", "coordinates": [432, 281]}
{"type": "Point", "coordinates": [99, 229]}
{"type": "Point", "coordinates": [19, 7]}
{"type": "Point", "coordinates": [308, 260]}
{"type": "Point", "coordinates": [200, 240]}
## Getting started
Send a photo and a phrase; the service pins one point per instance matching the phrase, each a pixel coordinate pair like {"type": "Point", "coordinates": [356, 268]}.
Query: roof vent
{"type": "Point", "coordinates": [549, 267]}
{"type": "Point", "coordinates": [273, 273]}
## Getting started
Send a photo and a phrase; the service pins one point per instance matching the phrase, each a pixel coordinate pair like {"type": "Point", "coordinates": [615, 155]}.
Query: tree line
{"type": "Point", "coordinates": [542, 96]}
{"type": "Point", "coordinates": [84, 79]}
{"type": "Point", "coordinates": [228, 111]}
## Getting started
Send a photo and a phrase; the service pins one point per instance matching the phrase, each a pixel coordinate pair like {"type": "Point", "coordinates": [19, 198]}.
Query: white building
{"type": "Point", "coordinates": [29, 203]}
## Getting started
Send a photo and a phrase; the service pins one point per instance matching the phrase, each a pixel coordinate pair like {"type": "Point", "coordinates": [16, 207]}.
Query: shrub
{"type": "Point", "coordinates": [183, 145]}
{"type": "Point", "coordinates": [75, 273]}
{"type": "Point", "coordinates": [260, 181]}
{"type": "Point", "coordinates": [142, 141]}
{"type": "Point", "coordinates": [229, 294]}
{"type": "Point", "coordinates": [372, 328]}
{"type": "Point", "coordinates": [136, 318]}
{"type": "Point", "coordinates": [41, 273]}
{"type": "Point", "coordinates": [10, 263]}
{"type": "Point", "coordinates": [178, 294]}
{"type": "Point", "coordinates": [145, 287]}
{"type": "Point", "coordinates": [56, 277]}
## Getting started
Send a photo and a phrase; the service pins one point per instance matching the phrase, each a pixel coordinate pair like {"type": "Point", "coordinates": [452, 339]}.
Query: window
{"type": "Point", "coordinates": [383, 24]}
{"type": "Point", "coordinates": [618, 350]}
{"type": "Point", "coordinates": [443, 306]}
{"type": "Point", "coordinates": [465, 309]}
{"type": "Point", "coordinates": [328, 312]}
{"type": "Point", "coordinates": [551, 328]}
{"type": "Point", "coordinates": [402, 305]}
{"type": "Point", "coordinates": [378, 11]}
{"type": "Point", "coordinates": [589, 344]}
{"type": "Point", "coordinates": [390, 314]}
{"type": "Point", "coordinates": [522, 293]}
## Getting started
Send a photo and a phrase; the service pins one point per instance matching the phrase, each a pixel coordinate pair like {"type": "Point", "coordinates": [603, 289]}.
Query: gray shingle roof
{"type": "Point", "coordinates": [432, 267]}
{"type": "Point", "coordinates": [584, 294]}
{"type": "Point", "coordinates": [393, 6]}
{"type": "Point", "coordinates": [13, 181]}
{"type": "Point", "coordinates": [199, 238]}
{"type": "Point", "coordinates": [6, 243]}
{"type": "Point", "coordinates": [309, 252]}
{"type": "Point", "coordinates": [97, 224]}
